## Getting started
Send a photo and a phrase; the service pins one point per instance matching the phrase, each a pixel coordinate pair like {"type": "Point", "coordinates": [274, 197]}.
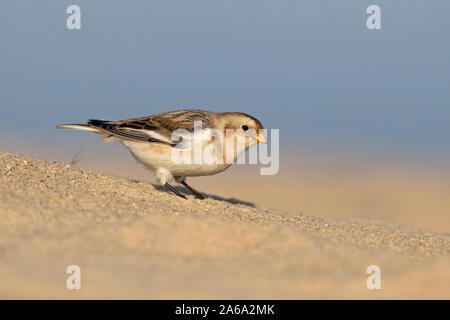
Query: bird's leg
{"type": "Point", "coordinates": [168, 186]}
{"type": "Point", "coordinates": [195, 192]}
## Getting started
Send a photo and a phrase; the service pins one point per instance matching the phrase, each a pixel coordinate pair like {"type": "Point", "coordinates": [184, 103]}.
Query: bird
{"type": "Point", "coordinates": [169, 143]}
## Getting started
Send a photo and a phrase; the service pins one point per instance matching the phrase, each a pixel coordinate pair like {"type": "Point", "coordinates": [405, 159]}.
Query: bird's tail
{"type": "Point", "coordinates": [84, 127]}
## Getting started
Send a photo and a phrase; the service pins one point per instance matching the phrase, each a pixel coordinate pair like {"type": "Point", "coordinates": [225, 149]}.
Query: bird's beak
{"type": "Point", "coordinates": [261, 138]}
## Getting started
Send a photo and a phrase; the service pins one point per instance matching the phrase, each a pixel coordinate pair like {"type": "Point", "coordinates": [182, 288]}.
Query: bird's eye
{"type": "Point", "coordinates": [245, 127]}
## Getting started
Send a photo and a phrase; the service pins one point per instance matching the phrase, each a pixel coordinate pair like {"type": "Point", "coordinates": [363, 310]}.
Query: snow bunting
{"type": "Point", "coordinates": [160, 141]}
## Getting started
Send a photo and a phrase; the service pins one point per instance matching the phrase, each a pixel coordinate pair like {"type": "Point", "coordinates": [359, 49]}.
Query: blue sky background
{"type": "Point", "coordinates": [310, 68]}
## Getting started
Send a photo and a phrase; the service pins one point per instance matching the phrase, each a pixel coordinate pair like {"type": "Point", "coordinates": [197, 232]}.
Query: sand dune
{"type": "Point", "coordinates": [134, 240]}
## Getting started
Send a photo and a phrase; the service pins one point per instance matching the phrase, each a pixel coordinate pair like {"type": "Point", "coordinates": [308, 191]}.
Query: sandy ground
{"type": "Point", "coordinates": [134, 240]}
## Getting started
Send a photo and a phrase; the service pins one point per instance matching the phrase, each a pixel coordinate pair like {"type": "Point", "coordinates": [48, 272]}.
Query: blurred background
{"type": "Point", "coordinates": [363, 114]}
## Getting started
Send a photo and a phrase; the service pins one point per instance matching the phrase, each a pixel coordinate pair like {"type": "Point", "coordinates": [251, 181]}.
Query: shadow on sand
{"type": "Point", "coordinates": [210, 196]}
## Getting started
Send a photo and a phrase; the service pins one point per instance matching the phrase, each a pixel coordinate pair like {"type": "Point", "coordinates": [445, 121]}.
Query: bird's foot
{"type": "Point", "coordinates": [195, 192]}
{"type": "Point", "coordinates": [178, 193]}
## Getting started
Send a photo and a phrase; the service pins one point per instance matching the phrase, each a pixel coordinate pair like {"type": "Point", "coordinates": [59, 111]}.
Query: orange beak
{"type": "Point", "coordinates": [261, 138]}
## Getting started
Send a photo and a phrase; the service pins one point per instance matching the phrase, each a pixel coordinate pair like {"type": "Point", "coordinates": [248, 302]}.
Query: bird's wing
{"type": "Point", "coordinates": [157, 128]}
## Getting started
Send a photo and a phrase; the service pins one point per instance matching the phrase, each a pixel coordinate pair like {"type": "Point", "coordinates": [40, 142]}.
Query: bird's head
{"type": "Point", "coordinates": [243, 126]}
